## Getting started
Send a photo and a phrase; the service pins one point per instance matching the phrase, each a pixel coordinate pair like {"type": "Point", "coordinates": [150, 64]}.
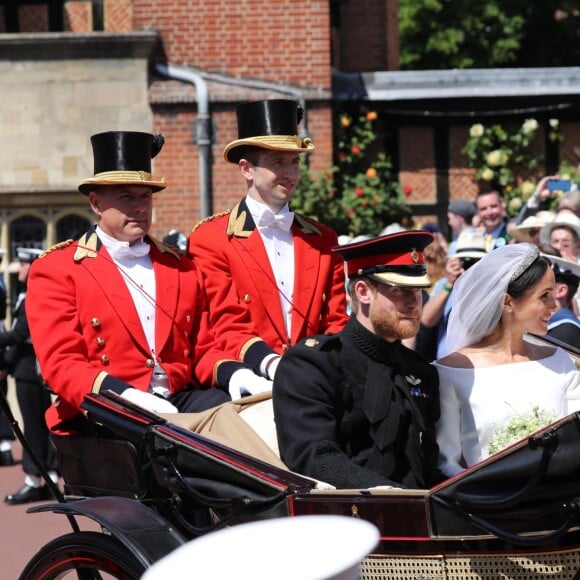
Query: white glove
{"type": "Point", "coordinates": [148, 401]}
{"type": "Point", "coordinates": [247, 382]}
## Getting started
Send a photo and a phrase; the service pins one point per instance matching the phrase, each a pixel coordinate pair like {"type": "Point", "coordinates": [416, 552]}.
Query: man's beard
{"type": "Point", "coordinates": [393, 325]}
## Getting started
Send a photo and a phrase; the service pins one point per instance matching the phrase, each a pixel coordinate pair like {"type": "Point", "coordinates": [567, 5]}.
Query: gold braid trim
{"type": "Point", "coordinates": [244, 350]}
{"type": "Point", "coordinates": [210, 219]}
{"type": "Point", "coordinates": [97, 383]}
{"type": "Point", "coordinates": [56, 247]}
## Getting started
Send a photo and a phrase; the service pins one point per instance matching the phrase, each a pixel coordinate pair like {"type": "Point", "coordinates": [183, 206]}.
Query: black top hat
{"type": "Point", "coordinates": [124, 158]}
{"type": "Point", "coordinates": [270, 124]}
{"type": "Point", "coordinates": [395, 259]}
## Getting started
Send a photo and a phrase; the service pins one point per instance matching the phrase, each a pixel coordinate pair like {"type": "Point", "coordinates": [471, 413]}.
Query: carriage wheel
{"type": "Point", "coordinates": [83, 555]}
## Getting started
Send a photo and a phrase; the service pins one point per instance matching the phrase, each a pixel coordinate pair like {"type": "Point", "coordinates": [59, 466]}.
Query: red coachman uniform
{"type": "Point", "coordinates": [237, 273]}
{"type": "Point", "coordinates": [87, 334]}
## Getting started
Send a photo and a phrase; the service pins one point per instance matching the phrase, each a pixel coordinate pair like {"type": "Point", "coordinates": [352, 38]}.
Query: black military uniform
{"type": "Point", "coordinates": [564, 324]}
{"type": "Point", "coordinates": [355, 410]}
{"type": "Point", "coordinates": [32, 395]}
{"type": "Point", "coordinates": [6, 433]}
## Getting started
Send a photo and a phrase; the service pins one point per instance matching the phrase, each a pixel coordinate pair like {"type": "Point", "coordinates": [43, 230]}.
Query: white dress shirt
{"type": "Point", "coordinates": [279, 243]}
{"type": "Point", "coordinates": [137, 271]}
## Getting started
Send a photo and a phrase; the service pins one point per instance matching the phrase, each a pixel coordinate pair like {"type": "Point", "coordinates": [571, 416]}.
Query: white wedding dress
{"type": "Point", "coordinates": [475, 401]}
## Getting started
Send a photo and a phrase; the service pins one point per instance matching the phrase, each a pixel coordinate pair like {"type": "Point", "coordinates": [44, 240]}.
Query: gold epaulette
{"type": "Point", "coordinates": [210, 218]}
{"type": "Point", "coordinates": [56, 247]}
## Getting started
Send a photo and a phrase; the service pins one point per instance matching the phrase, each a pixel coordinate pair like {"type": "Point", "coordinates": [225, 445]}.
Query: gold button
{"type": "Point", "coordinates": [188, 318]}
{"type": "Point", "coordinates": [323, 297]}
{"type": "Point", "coordinates": [105, 359]}
{"type": "Point", "coordinates": [185, 353]}
{"type": "Point", "coordinates": [285, 347]}
{"type": "Point", "coordinates": [149, 363]}
{"type": "Point", "coordinates": [95, 322]}
{"type": "Point", "coordinates": [100, 341]}
{"type": "Point", "coordinates": [246, 298]}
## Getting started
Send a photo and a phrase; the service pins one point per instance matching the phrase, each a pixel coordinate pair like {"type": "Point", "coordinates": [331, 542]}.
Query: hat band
{"type": "Point", "coordinates": [124, 176]}
{"type": "Point", "coordinates": [411, 259]}
{"type": "Point", "coordinates": [402, 279]}
{"type": "Point", "coordinates": [418, 270]}
{"type": "Point", "coordinates": [273, 142]}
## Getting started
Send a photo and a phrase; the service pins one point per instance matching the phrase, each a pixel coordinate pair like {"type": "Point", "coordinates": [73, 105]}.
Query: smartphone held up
{"type": "Point", "coordinates": [559, 184]}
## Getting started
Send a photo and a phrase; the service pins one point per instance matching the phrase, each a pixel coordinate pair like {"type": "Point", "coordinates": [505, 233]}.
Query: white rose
{"type": "Point", "coordinates": [487, 174]}
{"type": "Point", "coordinates": [476, 130]}
{"type": "Point", "coordinates": [515, 204]}
{"type": "Point", "coordinates": [554, 123]}
{"type": "Point", "coordinates": [496, 157]}
{"type": "Point", "coordinates": [529, 126]}
{"type": "Point", "coordinates": [527, 189]}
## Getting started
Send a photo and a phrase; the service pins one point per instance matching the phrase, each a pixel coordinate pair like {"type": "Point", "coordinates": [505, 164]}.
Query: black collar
{"type": "Point", "coordinates": [369, 343]}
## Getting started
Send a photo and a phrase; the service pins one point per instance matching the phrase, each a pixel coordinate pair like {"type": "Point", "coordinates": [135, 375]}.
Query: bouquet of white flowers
{"type": "Point", "coordinates": [518, 427]}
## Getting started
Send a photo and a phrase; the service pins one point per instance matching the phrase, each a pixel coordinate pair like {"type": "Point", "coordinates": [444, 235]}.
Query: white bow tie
{"type": "Point", "coordinates": [269, 219]}
{"type": "Point", "coordinates": [137, 250]}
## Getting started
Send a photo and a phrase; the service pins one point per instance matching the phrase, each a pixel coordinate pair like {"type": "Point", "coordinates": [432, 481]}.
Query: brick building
{"type": "Point", "coordinates": [71, 68]}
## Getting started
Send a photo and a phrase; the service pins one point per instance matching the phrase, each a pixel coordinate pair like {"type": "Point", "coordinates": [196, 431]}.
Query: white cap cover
{"type": "Point", "coordinates": [313, 547]}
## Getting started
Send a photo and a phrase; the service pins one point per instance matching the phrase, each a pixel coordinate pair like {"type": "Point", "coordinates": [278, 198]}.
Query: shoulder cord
{"type": "Point", "coordinates": [269, 277]}
{"type": "Point", "coordinates": [131, 281]}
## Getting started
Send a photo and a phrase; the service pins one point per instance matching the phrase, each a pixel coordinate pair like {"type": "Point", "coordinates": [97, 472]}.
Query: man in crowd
{"type": "Point", "coordinates": [569, 202]}
{"type": "Point", "coordinates": [33, 398]}
{"type": "Point", "coordinates": [564, 324]}
{"type": "Point", "coordinates": [118, 310]}
{"type": "Point", "coordinates": [459, 216]}
{"type": "Point", "coordinates": [6, 433]}
{"type": "Point", "coordinates": [492, 213]}
{"type": "Point", "coordinates": [358, 409]}
{"type": "Point", "coordinates": [261, 257]}
{"type": "Point", "coordinates": [563, 234]}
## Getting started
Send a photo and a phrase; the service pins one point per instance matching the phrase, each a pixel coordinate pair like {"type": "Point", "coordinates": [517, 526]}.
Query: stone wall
{"type": "Point", "coordinates": [51, 103]}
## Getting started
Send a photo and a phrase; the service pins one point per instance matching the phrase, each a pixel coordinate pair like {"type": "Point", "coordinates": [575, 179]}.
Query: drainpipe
{"type": "Point", "coordinates": [203, 130]}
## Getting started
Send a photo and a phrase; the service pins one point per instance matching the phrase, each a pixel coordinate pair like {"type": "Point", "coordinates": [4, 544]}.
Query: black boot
{"type": "Point", "coordinates": [6, 458]}
{"type": "Point", "coordinates": [28, 494]}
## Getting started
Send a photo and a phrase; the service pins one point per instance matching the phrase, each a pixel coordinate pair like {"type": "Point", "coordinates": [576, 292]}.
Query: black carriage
{"type": "Point", "coordinates": [153, 485]}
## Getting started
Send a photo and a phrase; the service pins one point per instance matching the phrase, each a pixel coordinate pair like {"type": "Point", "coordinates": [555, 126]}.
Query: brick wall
{"type": "Point", "coordinates": [285, 40]}
{"type": "Point", "coordinates": [368, 35]}
{"type": "Point", "coordinates": [462, 183]}
{"type": "Point", "coordinates": [33, 18]}
{"type": "Point", "coordinates": [78, 16]}
{"type": "Point", "coordinates": [417, 163]}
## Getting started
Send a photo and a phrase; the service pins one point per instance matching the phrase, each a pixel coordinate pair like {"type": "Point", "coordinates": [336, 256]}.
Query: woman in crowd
{"type": "Point", "coordinates": [493, 376]}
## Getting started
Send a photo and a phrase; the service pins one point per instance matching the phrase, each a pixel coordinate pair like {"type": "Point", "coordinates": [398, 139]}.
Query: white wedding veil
{"type": "Point", "coordinates": [478, 293]}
